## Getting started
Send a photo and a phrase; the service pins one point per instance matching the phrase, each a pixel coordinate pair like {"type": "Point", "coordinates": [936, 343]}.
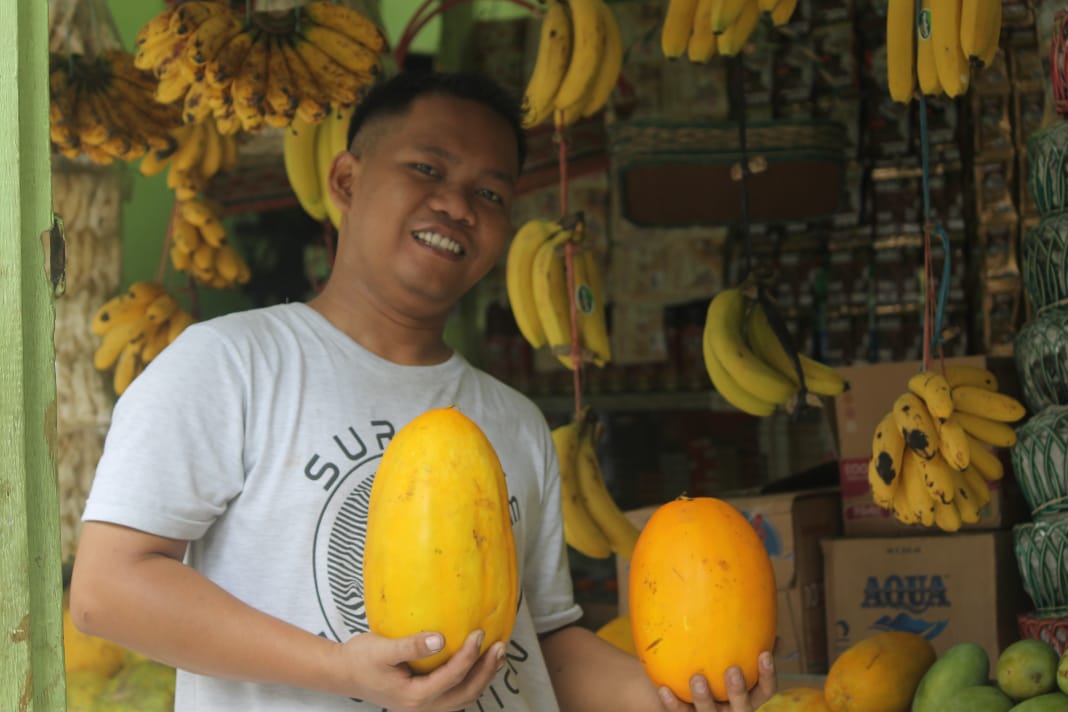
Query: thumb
{"type": "Point", "coordinates": [420, 645]}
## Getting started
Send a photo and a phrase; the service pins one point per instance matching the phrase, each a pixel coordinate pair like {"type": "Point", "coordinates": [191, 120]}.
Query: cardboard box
{"type": "Point", "coordinates": [791, 525]}
{"type": "Point", "coordinates": [950, 589]}
{"type": "Point", "coordinates": [871, 395]}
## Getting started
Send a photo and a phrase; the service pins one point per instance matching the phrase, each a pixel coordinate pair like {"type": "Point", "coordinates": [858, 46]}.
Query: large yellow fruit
{"type": "Point", "coordinates": [878, 674]}
{"type": "Point", "coordinates": [440, 554]}
{"type": "Point", "coordinates": [702, 595]}
{"type": "Point", "coordinates": [83, 652]}
{"type": "Point", "coordinates": [796, 699]}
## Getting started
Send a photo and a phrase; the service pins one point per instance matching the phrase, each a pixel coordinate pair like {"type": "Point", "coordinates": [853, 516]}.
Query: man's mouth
{"type": "Point", "coordinates": [438, 242]}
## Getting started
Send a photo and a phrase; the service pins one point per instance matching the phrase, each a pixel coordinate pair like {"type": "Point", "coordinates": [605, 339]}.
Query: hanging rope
{"type": "Point", "coordinates": [576, 224]}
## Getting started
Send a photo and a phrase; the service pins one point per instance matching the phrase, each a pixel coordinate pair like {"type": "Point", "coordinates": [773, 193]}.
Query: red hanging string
{"type": "Point", "coordinates": [560, 136]}
{"type": "Point", "coordinates": [161, 271]}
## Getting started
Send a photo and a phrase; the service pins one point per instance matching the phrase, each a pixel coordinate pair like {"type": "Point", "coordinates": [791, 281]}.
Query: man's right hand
{"type": "Point", "coordinates": [380, 672]}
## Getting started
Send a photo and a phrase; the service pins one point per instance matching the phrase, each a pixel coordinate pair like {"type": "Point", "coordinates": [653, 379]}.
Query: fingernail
{"type": "Point", "coordinates": [479, 636]}
{"type": "Point", "coordinates": [734, 677]}
{"type": "Point", "coordinates": [499, 654]}
{"type": "Point", "coordinates": [665, 696]}
{"type": "Point", "coordinates": [434, 643]}
{"type": "Point", "coordinates": [699, 686]}
{"type": "Point", "coordinates": [767, 661]}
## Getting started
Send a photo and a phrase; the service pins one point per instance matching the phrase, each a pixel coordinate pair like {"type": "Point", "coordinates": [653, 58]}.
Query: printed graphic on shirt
{"type": "Point", "coordinates": [346, 471]}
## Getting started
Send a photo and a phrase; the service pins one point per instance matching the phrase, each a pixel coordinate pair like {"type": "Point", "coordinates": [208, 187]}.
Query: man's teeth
{"type": "Point", "coordinates": [439, 241]}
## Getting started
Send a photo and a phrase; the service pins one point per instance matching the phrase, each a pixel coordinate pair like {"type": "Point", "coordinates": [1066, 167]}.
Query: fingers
{"type": "Point", "coordinates": [737, 692]}
{"type": "Point", "coordinates": [671, 703]}
{"type": "Point", "coordinates": [420, 645]}
{"type": "Point", "coordinates": [460, 681]}
{"type": "Point", "coordinates": [767, 684]}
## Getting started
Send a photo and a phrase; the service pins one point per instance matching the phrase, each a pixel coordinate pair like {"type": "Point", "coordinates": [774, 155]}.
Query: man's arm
{"type": "Point", "coordinates": [590, 674]}
{"type": "Point", "coordinates": [133, 588]}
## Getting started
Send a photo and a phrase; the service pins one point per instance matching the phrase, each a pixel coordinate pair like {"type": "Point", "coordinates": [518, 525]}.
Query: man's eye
{"type": "Point", "coordinates": [490, 195]}
{"type": "Point", "coordinates": [425, 169]}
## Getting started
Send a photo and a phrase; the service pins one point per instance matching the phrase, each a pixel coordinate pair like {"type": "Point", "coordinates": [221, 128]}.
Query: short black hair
{"type": "Point", "coordinates": [394, 95]}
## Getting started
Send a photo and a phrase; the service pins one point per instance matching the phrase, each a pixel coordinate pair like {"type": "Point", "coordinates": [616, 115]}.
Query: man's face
{"type": "Point", "coordinates": [430, 212]}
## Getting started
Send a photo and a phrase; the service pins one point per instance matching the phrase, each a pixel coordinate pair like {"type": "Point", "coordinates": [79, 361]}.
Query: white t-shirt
{"type": "Point", "coordinates": [256, 436]}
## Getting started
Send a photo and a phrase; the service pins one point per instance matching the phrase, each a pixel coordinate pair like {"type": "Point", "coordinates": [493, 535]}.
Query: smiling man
{"type": "Point", "coordinates": [224, 531]}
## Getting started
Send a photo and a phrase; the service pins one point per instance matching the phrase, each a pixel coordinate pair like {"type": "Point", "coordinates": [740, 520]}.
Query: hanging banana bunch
{"type": "Point", "coordinates": [704, 29]}
{"type": "Point", "coordinates": [307, 152]}
{"type": "Point", "coordinates": [939, 45]}
{"type": "Point", "coordinates": [102, 108]}
{"type": "Point", "coordinates": [200, 152]}
{"type": "Point", "coordinates": [251, 70]}
{"type": "Point", "coordinates": [579, 58]}
{"type": "Point", "coordinates": [134, 327]}
{"type": "Point", "coordinates": [932, 458]}
{"type": "Point", "coordinates": [199, 246]}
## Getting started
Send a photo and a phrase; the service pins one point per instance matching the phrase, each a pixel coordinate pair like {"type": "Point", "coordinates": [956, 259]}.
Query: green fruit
{"type": "Point", "coordinates": [963, 665]}
{"type": "Point", "coordinates": [1051, 702]}
{"type": "Point", "coordinates": [1027, 668]}
{"type": "Point", "coordinates": [980, 698]}
{"type": "Point", "coordinates": [1062, 673]}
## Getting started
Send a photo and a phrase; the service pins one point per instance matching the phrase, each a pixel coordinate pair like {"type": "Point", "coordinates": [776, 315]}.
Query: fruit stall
{"type": "Point", "coordinates": [788, 281]}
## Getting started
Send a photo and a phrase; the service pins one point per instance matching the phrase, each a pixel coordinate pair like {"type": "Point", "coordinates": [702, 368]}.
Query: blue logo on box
{"type": "Point", "coordinates": [913, 596]}
{"type": "Point", "coordinates": [767, 533]}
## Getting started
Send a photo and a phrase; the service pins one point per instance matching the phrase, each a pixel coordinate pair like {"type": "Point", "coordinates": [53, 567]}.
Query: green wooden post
{"type": "Point", "coordinates": [31, 649]}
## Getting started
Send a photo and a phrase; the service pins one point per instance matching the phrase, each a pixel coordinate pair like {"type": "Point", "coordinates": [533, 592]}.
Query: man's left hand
{"type": "Point", "coordinates": [739, 698]}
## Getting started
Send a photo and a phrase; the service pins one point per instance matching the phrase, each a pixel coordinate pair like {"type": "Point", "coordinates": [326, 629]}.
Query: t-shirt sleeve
{"type": "Point", "coordinates": [173, 455]}
{"type": "Point", "coordinates": [548, 575]}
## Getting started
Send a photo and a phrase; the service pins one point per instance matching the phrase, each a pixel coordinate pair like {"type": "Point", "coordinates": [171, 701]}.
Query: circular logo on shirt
{"type": "Point", "coordinates": [338, 552]}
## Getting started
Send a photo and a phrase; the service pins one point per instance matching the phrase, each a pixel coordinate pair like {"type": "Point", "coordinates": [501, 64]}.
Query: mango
{"type": "Point", "coordinates": [980, 698]}
{"type": "Point", "coordinates": [878, 674]}
{"type": "Point", "coordinates": [1050, 702]}
{"type": "Point", "coordinates": [1027, 668]}
{"type": "Point", "coordinates": [796, 699]}
{"type": "Point", "coordinates": [962, 665]}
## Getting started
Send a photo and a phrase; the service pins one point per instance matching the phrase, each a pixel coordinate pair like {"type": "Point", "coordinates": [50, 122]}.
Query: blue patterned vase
{"type": "Point", "coordinates": [1042, 557]}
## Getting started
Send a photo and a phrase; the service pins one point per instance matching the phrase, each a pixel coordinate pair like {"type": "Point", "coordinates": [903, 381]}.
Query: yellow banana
{"type": "Point", "coordinates": [549, 286]}
{"type": "Point", "coordinates": [678, 27]}
{"type": "Point", "coordinates": [127, 366]}
{"type": "Point", "coordinates": [900, 54]}
{"type": "Point", "coordinates": [178, 323]}
{"type": "Point", "coordinates": [155, 343]}
{"type": "Point", "coordinates": [723, 327]}
{"type": "Point", "coordinates": [980, 30]}
{"type": "Point", "coordinates": [301, 163]}
{"type": "Point", "coordinates": [881, 493]}
{"type": "Point", "coordinates": [550, 64]}
{"type": "Point", "coordinates": [126, 307]}
{"type": "Point", "coordinates": [355, 57]}
{"type": "Point", "coordinates": [590, 306]}
{"type": "Point", "coordinates": [227, 62]}
{"type": "Point", "coordinates": [580, 531]}
{"type": "Point", "coordinates": [901, 508]}
{"type": "Point", "coordinates": [114, 341]}
{"type": "Point", "coordinates": [926, 72]}
{"type": "Point", "coordinates": [938, 479]}
{"type": "Point", "coordinates": [966, 500]}
{"type": "Point", "coordinates": [726, 385]}
{"type": "Point", "coordinates": [155, 29]}
{"type": "Point", "coordinates": [342, 86]}
{"type": "Point", "coordinates": [978, 486]}
{"type": "Point", "coordinates": [820, 378]}
{"type": "Point", "coordinates": [249, 85]}
{"type": "Point", "coordinates": [887, 455]}
{"type": "Point", "coordinates": [313, 103]}
{"type": "Point", "coordinates": [954, 73]}
{"type": "Point", "coordinates": [621, 533]}
{"type": "Point", "coordinates": [933, 388]}
{"type": "Point", "coordinates": [193, 13]}
{"type": "Point", "coordinates": [916, 425]}
{"type": "Point", "coordinates": [228, 264]}
{"type": "Point", "coordinates": [971, 376]}
{"type": "Point", "coordinates": [587, 46]}
{"type": "Point", "coordinates": [281, 97]}
{"type": "Point", "coordinates": [518, 278]}
{"type": "Point", "coordinates": [988, 404]}
{"type": "Point", "coordinates": [953, 444]}
{"type": "Point", "coordinates": [331, 139]}
{"type": "Point", "coordinates": [346, 20]}
{"type": "Point", "coordinates": [733, 39]}
{"type": "Point", "coordinates": [947, 516]}
{"type": "Point", "coordinates": [206, 221]}
{"type": "Point", "coordinates": [985, 430]}
{"type": "Point", "coordinates": [204, 262]}
{"type": "Point", "coordinates": [917, 495]}
{"type": "Point", "coordinates": [181, 259]}
{"type": "Point", "coordinates": [983, 461]}
{"type": "Point", "coordinates": [611, 64]}
{"type": "Point", "coordinates": [725, 13]}
{"type": "Point", "coordinates": [160, 310]}
{"type": "Point", "coordinates": [701, 46]}
{"type": "Point", "coordinates": [782, 12]}
{"type": "Point", "coordinates": [213, 34]}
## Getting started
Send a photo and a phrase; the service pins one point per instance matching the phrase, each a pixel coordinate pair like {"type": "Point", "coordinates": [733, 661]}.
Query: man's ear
{"type": "Point", "coordinates": [342, 178]}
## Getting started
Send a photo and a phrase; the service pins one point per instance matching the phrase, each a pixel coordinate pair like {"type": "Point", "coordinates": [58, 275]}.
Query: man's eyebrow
{"type": "Point", "coordinates": [450, 157]}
